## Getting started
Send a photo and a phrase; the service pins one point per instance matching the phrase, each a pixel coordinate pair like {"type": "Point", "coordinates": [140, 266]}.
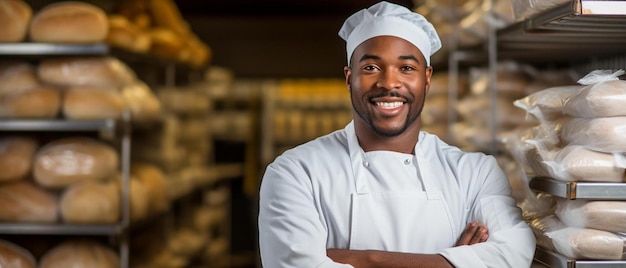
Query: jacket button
{"type": "Point", "coordinates": [407, 161]}
{"type": "Point", "coordinates": [366, 164]}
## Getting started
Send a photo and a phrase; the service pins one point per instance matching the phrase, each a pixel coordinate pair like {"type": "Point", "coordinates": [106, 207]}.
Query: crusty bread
{"type": "Point", "coordinates": [80, 253]}
{"type": "Point", "coordinates": [23, 201]}
{"type": "Point", "coordinates": [16, 77]}
{"type": "Point", "coordinates": [102, 72]}
{"type": "Point", "coordinates": [91, 202]}
{"type": "Point", "coordinates": [69, 160]}
{"type": "Point", "coordinates": [15, 256]}
{"type": "Point", "coordinates": [124, 34]}
{"type": "Point", "coordinates": [16, 157]}
{"type": "Point", "coordinates": [155, 182]}
{"type": "Point", "coordinates": [93, 103]}
{"type": "Point", "coordinates": [142, 102]}
{"type": "Point", "coordinates": [69, 22]}
{"type": "Point", "coordinates": [15, 16]}
{"type": "Point", "coordinates": [40, 102]}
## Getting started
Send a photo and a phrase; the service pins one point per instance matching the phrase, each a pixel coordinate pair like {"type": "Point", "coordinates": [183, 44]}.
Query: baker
{"type": "Point", "coordinates": [380, 192]}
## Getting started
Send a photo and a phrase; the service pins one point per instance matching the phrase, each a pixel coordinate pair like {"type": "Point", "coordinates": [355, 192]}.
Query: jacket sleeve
{"type": "Point", "coordinates": [511, 242]}
{"type": "Point", "coordinates": [291, 232]}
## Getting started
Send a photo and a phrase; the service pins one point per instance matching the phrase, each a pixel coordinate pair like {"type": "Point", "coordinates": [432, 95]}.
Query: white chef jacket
{"type": "Point", "coordinates": [328, 193]}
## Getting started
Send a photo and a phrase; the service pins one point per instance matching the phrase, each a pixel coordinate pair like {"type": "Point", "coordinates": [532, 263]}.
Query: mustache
{"type": "Point", "coordinates": [390, 94]}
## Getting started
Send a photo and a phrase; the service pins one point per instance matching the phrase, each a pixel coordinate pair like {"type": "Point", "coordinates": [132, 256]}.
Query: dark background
{"type": "Point", "coordinates": [274, 38]}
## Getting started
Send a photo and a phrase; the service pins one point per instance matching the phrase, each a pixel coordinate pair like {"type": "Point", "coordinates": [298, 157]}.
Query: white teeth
{"type": "Point", "coordinates": [389, 105]}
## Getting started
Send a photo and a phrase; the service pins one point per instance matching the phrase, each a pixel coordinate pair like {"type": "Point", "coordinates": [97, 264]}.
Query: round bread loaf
{"type": "Point", "coordinates": [69, 160]}
{"type": "Point", "coordinates": [102, 72]}
{"type": "Point", "coordinates": [92, 103]}
{"type": "Point", "coordinates": [23, 201]}
{"type": "Point", "coordinates": [80, 253]}
{"type": "Point", "coordinates": [155, 182]}
{"type": "Point", "coordinates": [69, 22]}
{"type": "Point", "coordinates": [142, 102]}
{"type": "Point", "coordinates": [15, 16]}
{"type": "Point", "coordinates": [124, 34]}
{"type": "Point", "coordinates": [139, 200]}
{"type": "Point", "coordinates": [14, 256]}
{"type": "Point", "coordinates": [16, 157]}
{"type": "Point", "coordinates": [16, 77]}
{"type": "Point", "coordinates": [91, 202]}
{"type": "Point", "coordinates": [40, 102]}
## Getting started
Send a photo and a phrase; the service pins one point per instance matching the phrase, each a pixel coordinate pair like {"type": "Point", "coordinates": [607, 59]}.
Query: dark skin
{"type": "Point", "coordinates": [388, 81]}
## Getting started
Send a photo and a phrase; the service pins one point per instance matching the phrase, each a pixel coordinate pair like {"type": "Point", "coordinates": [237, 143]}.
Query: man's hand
{"type": "Point", "coordinates": [473, 234]}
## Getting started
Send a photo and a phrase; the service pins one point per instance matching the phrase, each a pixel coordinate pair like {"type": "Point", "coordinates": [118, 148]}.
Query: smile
{"type": "Point", "coordinates": [389, 105]}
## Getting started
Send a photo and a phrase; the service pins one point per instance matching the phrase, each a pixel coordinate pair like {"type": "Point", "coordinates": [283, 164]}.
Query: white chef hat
{"type": "Point", "coordinates": [385, 18]}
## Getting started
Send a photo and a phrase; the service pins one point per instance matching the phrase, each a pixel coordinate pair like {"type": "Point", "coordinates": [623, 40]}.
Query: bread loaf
{"type": "Point", "coordinates": [23, 201]}
{"type": "Point", "coordinates": [69, 160]}
{"type": "Point", "coordinates": [14, 256]}
{"type": "Point", "coordinates": [16, 77]}
{"type": "Point", "coordinates": [16, 157]}
{"type": "Point", "coordinates": [154, 180]}
{"type": "Point", "coordinates": [80, 253]}
{"type": "Point", "coordinates": [166, 43]}
{"type": "Point", "coordinates": [124, 34]}
{"type": "Point", "coordinates": [139, 200]}
{"type": "Point", "coordinates": [93, 103]}
{"type": "Point", "coordinates": [91, 202]}
{"type": "Point", "coordinates": [40, 102]}
{"type": "Point", "coordinates": [69, 22]}
{"type": "Point", "coordinates": [584, 243]}
{"type": "Point", "coordinates": [142, 102]}
{"type": "Point", "coordinates": [15, 16]}
{"type": "Point", "coordinates": [102, 72]}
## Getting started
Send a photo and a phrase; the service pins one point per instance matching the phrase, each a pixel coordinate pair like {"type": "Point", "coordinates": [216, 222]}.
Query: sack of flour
{"type": "Point", "coordinates": [603, 95]}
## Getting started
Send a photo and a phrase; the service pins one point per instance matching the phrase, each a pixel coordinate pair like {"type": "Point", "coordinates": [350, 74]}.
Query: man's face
{"type": "Point", "coordinates": [388, 81]}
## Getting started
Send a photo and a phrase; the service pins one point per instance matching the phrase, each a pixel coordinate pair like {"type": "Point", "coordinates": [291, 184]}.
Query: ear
{"type": "Point", "coordinates": [347, 72]}
{"type": "Point", "coordinates": [427, 76]}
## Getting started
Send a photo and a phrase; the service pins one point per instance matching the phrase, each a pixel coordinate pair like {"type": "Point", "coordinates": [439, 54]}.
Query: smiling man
{"type": "Point", "coordinates": [380, 192]}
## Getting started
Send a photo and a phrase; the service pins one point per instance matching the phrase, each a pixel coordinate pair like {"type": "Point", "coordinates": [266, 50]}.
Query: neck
{"type": "Point", "coordinates": [403, 143]}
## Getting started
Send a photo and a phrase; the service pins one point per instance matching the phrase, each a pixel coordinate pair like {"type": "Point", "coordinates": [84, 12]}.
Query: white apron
{"type": "Point", "coordinates": [402, 221]}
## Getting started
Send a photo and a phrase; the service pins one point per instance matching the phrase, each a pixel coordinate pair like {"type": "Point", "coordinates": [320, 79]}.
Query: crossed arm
{"type": "Point", "coordinates": [472, 234]}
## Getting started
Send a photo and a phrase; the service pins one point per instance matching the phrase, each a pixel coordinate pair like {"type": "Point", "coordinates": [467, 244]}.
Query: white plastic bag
{"type": "Point", "coordinates": [603, 95]}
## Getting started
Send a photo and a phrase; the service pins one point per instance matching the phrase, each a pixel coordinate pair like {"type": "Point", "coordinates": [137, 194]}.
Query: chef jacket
{"type": "Point", "coordinates": [329, 193]}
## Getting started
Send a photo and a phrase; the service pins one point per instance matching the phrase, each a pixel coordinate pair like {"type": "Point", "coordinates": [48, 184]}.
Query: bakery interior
{"type": "Point", "coordinates": [136, 133]}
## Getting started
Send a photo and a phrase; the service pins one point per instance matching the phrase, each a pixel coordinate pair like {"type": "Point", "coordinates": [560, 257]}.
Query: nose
{"type": "Point", "coordinates": [389, 80]}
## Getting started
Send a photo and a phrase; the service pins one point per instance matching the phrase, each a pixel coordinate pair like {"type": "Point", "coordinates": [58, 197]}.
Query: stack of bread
{"type": "Point", "coordinates": [579, 138]}
{"type": "Point", "coordinates": [59, 22]}
{"type": "Point", "coordinates": [144, 26]}
{"type": "Point", "coordinates": [74, 88]}
{"type": "Point", "coordinates": [156, 27]}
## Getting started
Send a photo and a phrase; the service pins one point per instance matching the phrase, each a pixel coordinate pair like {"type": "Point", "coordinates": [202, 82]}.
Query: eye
{"type": "Point", "coordinates": [370, 68]}
{"type": "Point", "coordinates": [407, 68]}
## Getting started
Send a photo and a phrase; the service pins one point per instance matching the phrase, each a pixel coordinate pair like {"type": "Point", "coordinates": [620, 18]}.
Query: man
{"type": "Point", "coordinates": [380, 193]}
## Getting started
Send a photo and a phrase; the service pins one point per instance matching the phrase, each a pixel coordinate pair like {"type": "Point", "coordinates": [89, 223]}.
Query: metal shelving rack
{"type": "Point", "coordinates": [574, 33]}
{"type": "Point", "coordinates": [582, 34]}
{"type": "Point", "coordinates": [108, 129]}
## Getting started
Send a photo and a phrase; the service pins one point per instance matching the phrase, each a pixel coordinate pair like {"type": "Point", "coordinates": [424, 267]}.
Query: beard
{"type": "Point", "coordinates": [388, 132]}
